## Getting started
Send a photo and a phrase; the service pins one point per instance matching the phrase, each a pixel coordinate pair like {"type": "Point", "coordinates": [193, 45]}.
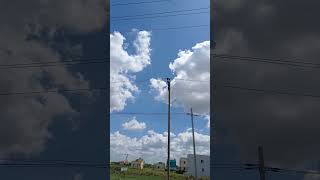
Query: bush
{"type": "Point", "coordinates": [179, 171]}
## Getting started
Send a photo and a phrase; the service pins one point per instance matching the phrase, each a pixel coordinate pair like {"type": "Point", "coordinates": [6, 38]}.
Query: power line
{"type": "Point", "coordinates": [32, 162]}
{"type": "Point", "coordinates": [178, 79]}
{"type": "Point", "coordinates": [58, 165]}
{"type": "Point", "coordinates": [156, 113]}
{"type": "Point", "coordinates": [51, 64]}
{"type": "Point", "coordinates": [50, 161]}
{"type": "Point", "coordinates": [152, 17]}
{"type": "Point", "coordinates": [91, 164]}
{"type": "Point", "coordinates": [278, 61]}
{"type": "Point", "coordinates": [272, 169]}
{"type": "Point", "coordinates": [141, 2]}
{"type": "Point", "coordinates": [141, 81]}
{"type": "Point", "coordinates": [267, 91]}
{"type": "Point", "coordinates": [181, 27]}
{"type": "Point", "coordinates": [165, 12]}
{"type": "Point", "coordinates": [192, 80]}
{"type": "Point", "coordinates": [169, 28]}
{"type": "Point", "coordinates": [55, 63]}
{"type": "Point", "coordinates": [148, 114]}
{"type": "Point", "coordinates": [51, 91]}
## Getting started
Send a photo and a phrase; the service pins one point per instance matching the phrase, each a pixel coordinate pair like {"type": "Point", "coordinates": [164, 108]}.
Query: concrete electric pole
{"type": "Point", "coordinates": [168, 162]}
{"type": "Point", "coordinates": [261, 164]}
{"type": "Point", "coordinates": [194, 147]}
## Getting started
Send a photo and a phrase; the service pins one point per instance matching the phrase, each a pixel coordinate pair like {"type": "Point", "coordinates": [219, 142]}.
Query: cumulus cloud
{"type": "Point", "coordinates": [123, 66]}
{"type": "Point", "coordinates": [190, 85]}
{"type": "Point", "coordinates": [284, 125]}
{"type": "Point", "coordinates": [208, 118]}
{"type": "Point", "coordinates": [134, 125]}
{"type": "Point", "coordinates": [80, 16]}
{"type": "Point", "coordinates": [153, 146]}
{"type": "Point", "coordinates": [25, 119]}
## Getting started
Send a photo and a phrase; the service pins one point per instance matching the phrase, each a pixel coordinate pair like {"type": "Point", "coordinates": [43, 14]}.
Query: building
{"type": "Point", "coordinates": [203, 165]}
{"type": "Point", "coordinates": [138, 163]}
{"type": "Point", "coordinates": [183, 164]}
{"type": "Point", "coordinates": [124, 163]}
{"type": "Point", "coordinates": [159, 166]}
{"type": "Point", "coordinates": [124, 169]}
{"type": "Point", "coordinates": [173, 165]}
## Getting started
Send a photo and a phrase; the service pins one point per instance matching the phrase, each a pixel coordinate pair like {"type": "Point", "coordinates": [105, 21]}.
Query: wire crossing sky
{"type": "Point", "coordinates": [150, 42]}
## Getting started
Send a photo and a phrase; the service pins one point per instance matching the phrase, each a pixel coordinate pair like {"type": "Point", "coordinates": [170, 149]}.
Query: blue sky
{"type": "Point", "coordinates": [165, 45]}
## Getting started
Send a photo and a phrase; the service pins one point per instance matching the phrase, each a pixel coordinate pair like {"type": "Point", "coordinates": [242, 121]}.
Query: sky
{"type": "Point", "coordinates": [141, 56]}
{"type": "Point", "coordinates": [286, 125]}
{"type": "Point", "coordinates": [58, 125]}
{"type": "Point", "coordinates": [73, 126]}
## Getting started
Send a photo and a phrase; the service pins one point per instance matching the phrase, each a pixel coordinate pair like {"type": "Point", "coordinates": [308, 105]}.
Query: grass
{"type": "Point", "coordinates": [142, 174]}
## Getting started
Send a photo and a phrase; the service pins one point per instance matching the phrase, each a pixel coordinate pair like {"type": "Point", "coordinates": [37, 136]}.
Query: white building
{"type": "Point", "coordinates": [203, 165]}
{"type": "Point", "coordinates": [137, 163]}
{"type": "Point", "coordinates": [159, 166]}
{"type": "Point", "coordinates": [183, 164]}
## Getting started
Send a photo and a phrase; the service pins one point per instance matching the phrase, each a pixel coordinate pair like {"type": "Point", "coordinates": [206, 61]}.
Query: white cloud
{"type": "Point", "coordinates": [134, 125]}
{"type": "Point", "coordinates": [153, 146]}
{"type": "Point", "coordinates": [190, 88]}
{"type": "Point", "coordinates": [32, 116]}
{"type": "Point", "coordinates": [123, 66]}
{"type": "Point", "coordinates": [208, 118]}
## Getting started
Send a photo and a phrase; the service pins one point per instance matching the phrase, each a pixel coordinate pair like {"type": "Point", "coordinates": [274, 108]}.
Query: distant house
{"type": "Point", "coordinates": [124, 169]}
{"type": "Point", "coordinates": [138, 163]}
{"type": "Point", "coordinates": [203, 165]}
{"type": "Point", "coordinates": [159, 166]}
{"type": "Point", "coordinates": [183, 164]}
{"type": "Point", "coordinates": [124, 163]}
{"type": "Point", "coordinates": [173, 165]}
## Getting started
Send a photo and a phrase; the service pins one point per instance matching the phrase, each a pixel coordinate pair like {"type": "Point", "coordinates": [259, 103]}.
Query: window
{"type": "Point", "coordinates": [202, 169]}
{"type": "Point", "coordinates": [201, 161]}
{"type": "Point", "coordinates": [184, 162]}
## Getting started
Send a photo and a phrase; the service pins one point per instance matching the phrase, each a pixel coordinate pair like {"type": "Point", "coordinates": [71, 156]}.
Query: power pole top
{"type": "Point", "coordinates": [168, 161]}
{"type": "Point", "coordinates": [261, 164]}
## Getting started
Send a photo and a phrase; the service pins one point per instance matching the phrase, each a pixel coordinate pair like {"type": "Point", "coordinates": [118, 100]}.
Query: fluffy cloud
{"type": "Point", "coordinates": [153, 146]}
{"type": "Point", "coordinates": [134, 125]}
{"type": "Point", "coordinates": [80, 16]}
{"type": "Point", "coordinates": [285, 125]}
{"type": "Point", "coordinates": [208, 118]}
{"type": "Point", "coordinates": [123, 65]}
{"type": "Point", "coordinates": [25, 119]}
{"type": "Point", "coordinates": [190, 86]}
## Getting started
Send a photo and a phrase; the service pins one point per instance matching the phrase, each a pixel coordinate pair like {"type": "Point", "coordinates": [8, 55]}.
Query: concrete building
{"type": "Point", "coordinates": [183, 164]}
{"type": "Point", "coordinates": [159, 166]}
{"type": "Point", "coordinates": [138, 163]}
{"type": "Point", "coordinates": [203, 165]}
{"type": "Point", "coordinates": [124, 163]}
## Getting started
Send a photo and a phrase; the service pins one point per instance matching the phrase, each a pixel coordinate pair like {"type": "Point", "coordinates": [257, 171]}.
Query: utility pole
{"type": "Point", "coordinates": [261, 164]}
{"type": "Point", "coordinates": [168, 162]}
{"type": "Point", "coordinates": [194, 147]}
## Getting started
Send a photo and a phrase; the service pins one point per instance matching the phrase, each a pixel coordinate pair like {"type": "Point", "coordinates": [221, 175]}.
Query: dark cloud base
{"type": "Point", "coordinates": [287, 126]}
{"type": "Point", "coordinates": [56, 126]}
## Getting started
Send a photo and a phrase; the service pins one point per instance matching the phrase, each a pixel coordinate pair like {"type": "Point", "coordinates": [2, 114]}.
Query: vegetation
{"type": "Point", "coordinates": [146, 173]}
